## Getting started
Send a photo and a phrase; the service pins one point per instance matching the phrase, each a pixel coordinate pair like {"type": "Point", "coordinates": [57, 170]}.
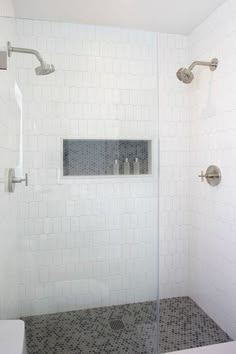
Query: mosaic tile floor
{"type": "Point", "coordinates": [123, 329]}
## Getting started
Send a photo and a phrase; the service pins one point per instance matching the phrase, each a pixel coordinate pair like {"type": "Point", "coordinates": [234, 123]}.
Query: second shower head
{"type": "Point", "coordinates": [42, 69]}
{"type": "Point", "coordinates": [185, 74]}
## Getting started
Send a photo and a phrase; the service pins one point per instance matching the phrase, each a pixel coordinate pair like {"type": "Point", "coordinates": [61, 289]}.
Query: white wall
{"type": "Point", "coordinates": [122, 65]}
{"type": "Point", "coordinates": [86, 242]}
{"type": "Point", "coordinates": [105, 86]}
{"type": "Point", "coordinates": [9, 139]}
{"type": "Point", "coordinates": [7, 8]}
{"type": "Point", "coordinates": [213, 141]}
{"type": "Point", "coordinates": [174, 161]}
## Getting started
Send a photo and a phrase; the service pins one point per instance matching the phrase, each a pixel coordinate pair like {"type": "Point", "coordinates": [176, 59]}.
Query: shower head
{"type": "Point", "coordinates": [185, 74]}
{"type": "Point", "coordinates": [42, 69]}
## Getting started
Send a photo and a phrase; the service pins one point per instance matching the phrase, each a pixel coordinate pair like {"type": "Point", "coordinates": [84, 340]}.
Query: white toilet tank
{"type": "Point", "coordinates": [12, 337]}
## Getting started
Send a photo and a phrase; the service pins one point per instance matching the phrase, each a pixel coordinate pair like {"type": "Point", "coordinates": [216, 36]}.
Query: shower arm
{"type": "Point", "coordinates": [11, 49]}
{"type": "Point", "coordinates": [212, 64]}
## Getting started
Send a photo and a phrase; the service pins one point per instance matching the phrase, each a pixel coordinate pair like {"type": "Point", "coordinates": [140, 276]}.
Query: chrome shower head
{"type": "Point", "coordinates": [185, 75]}
{"type": "Point", "coordinates": [44, 69]}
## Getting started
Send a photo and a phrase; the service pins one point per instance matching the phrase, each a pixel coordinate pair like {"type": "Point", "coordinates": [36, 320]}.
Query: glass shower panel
{"type": "Point", "coordinates": [10, 155]}
{"type": "Point", "coordinates": [88, 219]}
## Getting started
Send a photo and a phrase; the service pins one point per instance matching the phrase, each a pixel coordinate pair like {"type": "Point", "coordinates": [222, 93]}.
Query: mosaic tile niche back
{"type": "Point", "coordinates": [103, 157]}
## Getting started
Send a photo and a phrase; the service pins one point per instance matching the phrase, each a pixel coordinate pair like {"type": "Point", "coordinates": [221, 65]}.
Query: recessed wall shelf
{"type": "Point", "coordinates": [97, 157]}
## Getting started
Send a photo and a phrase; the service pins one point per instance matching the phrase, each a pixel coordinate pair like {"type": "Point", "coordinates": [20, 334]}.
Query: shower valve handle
{"type": "Point", "coordinates": [212, 175]}
{"type": "Point", "coordinates": [202, 176]}
{"type": "Point", "coordinates": [207, 175]}
{"type": "Point", "coordinates": [20, 180]}
{"type": "Point", "coordinates": [26, 180]}
{"type": "Point", "coordinates": [13, 180]}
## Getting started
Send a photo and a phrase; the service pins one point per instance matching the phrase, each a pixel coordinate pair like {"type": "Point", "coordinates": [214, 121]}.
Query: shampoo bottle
{"type": "Point", "coordinates": [116, 167]}
{"type": "Point", "coordinates": [126, 167]}
{"type": "Point", "coordinates": [136, 167]}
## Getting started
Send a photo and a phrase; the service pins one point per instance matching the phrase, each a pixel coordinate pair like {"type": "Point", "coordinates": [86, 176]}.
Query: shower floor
{"type": "Point", "coordinates": [123, 329]}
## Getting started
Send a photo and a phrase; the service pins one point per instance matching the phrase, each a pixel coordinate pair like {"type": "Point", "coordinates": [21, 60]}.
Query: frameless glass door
{"type": "Point", "coordinates": [88, 219]}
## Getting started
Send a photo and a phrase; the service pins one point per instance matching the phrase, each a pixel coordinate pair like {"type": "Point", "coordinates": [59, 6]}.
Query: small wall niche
{"type": "Point", "coordinates": [97, 157]}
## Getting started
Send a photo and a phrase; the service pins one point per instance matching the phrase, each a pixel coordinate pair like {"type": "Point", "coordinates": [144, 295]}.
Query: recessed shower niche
{"type": "Point", "coordinates": [106, 157]}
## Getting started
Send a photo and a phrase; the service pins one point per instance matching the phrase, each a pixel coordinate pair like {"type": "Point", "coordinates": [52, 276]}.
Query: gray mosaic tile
{"type": "Point", "coordinates": [185, 325]}
{"type": "Point", "coordinates": [96, 157]}
{"type": "Point", "coordinates": [134, 329]}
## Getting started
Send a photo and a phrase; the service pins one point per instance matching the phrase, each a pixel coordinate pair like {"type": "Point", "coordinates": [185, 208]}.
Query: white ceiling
{"type": "Point", "coordinates": [172, 16]}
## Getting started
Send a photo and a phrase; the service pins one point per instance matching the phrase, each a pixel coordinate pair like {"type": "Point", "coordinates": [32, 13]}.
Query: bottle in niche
{"type": "Point", "coordinates": [126, 167]}
{"type": "Point", "coordinates": [136, 167]}
{"type": "Point", "coordinates": [116, 168]}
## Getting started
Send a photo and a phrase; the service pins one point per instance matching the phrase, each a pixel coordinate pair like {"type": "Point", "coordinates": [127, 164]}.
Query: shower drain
{"type": "Point", "coordinates": [117, 324]}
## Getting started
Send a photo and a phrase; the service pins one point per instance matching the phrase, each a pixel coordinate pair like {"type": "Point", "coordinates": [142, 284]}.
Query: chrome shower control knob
{"type": "Point", "coordinates": [23, 180]}
{"type": "Point", "coordinates": [12, 180]}
{"type": "Point", "coordinates": [212, 175]}
{"type": "Point", "coordinates": [202, 175]}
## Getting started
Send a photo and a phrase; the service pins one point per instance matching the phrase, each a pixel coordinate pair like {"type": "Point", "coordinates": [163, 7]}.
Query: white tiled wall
{"type": "Point", "coordinates": [86, 242]}
{"type": "Point", "coordinates": [9, 139]}
{"type": "Point", "coordinates": [174, 161]}
{"type": "Point", "coordinates": [81, 249]}
{"type": "Point", "coordinates": [213, 141]}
